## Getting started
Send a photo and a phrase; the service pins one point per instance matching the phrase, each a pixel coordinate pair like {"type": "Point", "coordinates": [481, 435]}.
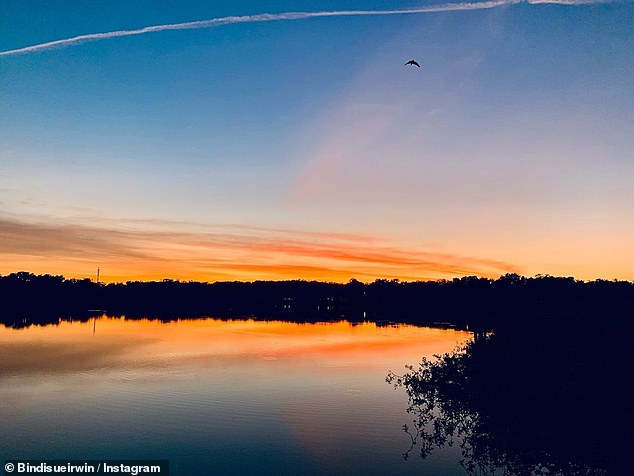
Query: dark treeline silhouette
{"type": "Point", "coordinates": [543, 388]}
{"type": "Point", "coordinates": [478, 303]}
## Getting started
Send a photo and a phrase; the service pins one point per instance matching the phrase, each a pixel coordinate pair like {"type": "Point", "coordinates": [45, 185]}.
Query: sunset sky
{"type": "Point", "coordinates": [300, 146]}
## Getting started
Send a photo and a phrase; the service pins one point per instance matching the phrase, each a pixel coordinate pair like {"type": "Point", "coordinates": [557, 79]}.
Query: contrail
{"type": "Point", "coordinates": [265, 17]}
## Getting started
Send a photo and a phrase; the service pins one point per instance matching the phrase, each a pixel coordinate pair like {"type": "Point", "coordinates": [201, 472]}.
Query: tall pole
{"type": "Point", "coordinates": [97, 274]}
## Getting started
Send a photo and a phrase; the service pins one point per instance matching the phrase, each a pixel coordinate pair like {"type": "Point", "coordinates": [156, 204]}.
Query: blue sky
{"type": "Point", "coordinates": [511, 146]}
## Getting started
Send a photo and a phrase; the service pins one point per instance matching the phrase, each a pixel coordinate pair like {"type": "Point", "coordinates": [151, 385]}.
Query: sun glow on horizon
{"type": "Point", "coordinates": [225, 254]}
{"type": "Point", "coordinates": [137, 251]}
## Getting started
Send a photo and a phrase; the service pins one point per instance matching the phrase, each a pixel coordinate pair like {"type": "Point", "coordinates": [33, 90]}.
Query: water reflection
{"type": "Point", "coordinates": [117, 343]}
{"type": "Point", "coordinates": [234, 396]}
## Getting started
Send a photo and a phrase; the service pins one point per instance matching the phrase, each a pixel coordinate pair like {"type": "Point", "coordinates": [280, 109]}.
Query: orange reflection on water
{"type": "Point", "coordinates": [116, 342]}
{"type": "Point", "coordinates": [319, 388]}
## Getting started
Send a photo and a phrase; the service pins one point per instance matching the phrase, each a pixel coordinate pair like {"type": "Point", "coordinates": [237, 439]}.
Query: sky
{"type": "Point", "coordinates": [300, 146]}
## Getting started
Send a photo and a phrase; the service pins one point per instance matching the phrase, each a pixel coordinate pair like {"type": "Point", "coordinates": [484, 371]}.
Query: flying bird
{"type": "Point", "coordinates": [413, 63]}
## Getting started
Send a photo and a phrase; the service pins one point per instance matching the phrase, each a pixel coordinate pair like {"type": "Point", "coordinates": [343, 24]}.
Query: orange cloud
{"type": "Point", "coordinates": [129, 250]}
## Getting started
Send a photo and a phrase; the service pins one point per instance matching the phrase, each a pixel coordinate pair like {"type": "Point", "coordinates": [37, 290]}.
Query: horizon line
{"type": "Point", "coordinates": [350, 280]}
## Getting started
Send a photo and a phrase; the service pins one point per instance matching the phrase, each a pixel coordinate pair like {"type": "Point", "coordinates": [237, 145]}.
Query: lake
{"type": "Point", "coordinates": [217, 396]}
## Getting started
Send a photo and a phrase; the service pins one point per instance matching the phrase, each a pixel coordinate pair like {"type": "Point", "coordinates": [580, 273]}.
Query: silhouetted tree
{"type": "Point", "coordinates": [531, 399]}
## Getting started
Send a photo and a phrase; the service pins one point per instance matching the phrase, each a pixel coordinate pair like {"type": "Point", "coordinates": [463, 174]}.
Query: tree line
{"type": "Point", "coordinates": [477, 303]}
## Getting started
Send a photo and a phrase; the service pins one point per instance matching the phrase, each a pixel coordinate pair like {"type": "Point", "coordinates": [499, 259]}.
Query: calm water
{"type": "Point", "coordinates": [216, 397]}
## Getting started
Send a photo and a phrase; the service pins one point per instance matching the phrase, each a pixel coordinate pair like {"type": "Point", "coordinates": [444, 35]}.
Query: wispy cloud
{"type": "Point", "coordinates": [267, 17]}
{"type": "Point", "coordinates": [219, 253]}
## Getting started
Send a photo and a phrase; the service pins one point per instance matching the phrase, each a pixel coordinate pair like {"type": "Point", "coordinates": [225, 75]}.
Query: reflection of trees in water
{"type": "Point", "coordinates": [551, 398]}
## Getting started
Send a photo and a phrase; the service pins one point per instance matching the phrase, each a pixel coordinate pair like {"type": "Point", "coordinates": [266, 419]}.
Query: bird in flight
{"type": "Point", "coordinates": [413, 63]}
